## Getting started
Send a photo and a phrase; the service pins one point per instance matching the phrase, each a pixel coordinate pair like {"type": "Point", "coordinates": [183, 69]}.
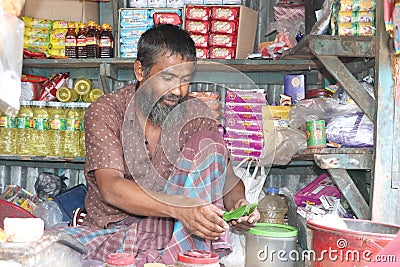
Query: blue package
{"type": "Point", "coordinates": [71, 199]}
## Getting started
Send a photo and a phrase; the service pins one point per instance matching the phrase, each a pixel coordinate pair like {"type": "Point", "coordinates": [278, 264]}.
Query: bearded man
{"type": "Point", "coordinates": [158, 172]}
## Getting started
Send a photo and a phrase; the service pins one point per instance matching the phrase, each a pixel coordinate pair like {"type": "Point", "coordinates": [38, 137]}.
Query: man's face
{"type": "Point", "coordinates": [164, 88]}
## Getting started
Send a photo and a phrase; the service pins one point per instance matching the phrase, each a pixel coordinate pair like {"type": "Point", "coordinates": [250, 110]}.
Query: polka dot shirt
{"type": "Point", "coordinates": [114, 139]}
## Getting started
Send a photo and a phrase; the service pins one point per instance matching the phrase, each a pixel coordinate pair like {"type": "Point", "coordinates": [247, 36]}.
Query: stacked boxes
{"type": "Point", "coordinates": [134, 22]}
{"type": "Point", "coordinates": [353, 18]}
{"type": "Point", "coordinates": [221, 32]}
{"type": "Point", "coordinates": [244, 131]}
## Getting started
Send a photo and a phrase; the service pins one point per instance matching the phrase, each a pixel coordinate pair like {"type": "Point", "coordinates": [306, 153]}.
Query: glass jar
{"type": "Point", "coordinates": [197, 258]}
{"type": "Point", "coordinates": [121, 260]}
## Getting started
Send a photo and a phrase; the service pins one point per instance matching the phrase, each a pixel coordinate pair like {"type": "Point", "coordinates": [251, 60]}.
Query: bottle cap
{"type": "Point", "coordinates": [273, 190]}
{"type": "Point", "coordinates": [273, 230]}
{"type": "Point", "coordinates": [120, 259]}
{"type": "Point", "coordinates": [198, 257]}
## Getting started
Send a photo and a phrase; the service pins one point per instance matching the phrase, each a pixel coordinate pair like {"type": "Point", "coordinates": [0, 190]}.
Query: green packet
{"type": "Point", "coordinates": [239, 212]}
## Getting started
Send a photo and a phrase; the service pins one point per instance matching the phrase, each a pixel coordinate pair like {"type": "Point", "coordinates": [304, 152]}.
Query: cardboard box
{"type": "Point", "coordinates": [294, 86]}
{"type": "Point", "coordinates": [70, 10]}
{"type": "Point", "coordinates": [247, 28]}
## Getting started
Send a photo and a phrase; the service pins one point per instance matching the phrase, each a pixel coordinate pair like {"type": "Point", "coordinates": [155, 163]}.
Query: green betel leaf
{"type": "Point", "coordinates": [239, 212]}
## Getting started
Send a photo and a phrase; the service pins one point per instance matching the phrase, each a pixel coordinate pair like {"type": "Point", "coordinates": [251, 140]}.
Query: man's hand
{"type": "Point", "coordinates": [13, 7]}
{"type": "Point", "coordinates": [245, 222]}
{"type": "Point", "coordinates": [204, 221]}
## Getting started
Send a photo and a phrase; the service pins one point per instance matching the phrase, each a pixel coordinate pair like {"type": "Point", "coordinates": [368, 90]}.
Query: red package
{"type": "Point", "coordinates": [219, 26]}
{"type": "Point", "coordinates": [33, 53]}
{"type": "Point", "coordinates": [32, 78]}
{"type": "Point", "coordinates": [222, 53]}
{"type": "Point", "coordinates": [223, 40]}
{"type": "Point", "coordinates": [201, 53]}
{"type": "Point", "coordinates": [200, 40]}
{"type": "Point", "coordinates": [194, 26]}
{"type": "Point", "coordinates": [167, 18]}
{"type": "Point", "coordinates": [51, 85]}
{"type": "Point", "coordinates": [198, 13]}
{"type": "Point", "coordinates": [225, 13]}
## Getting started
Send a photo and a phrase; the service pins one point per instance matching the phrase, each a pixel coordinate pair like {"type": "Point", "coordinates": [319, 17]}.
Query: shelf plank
{"type": "Point", "coordinates": [203, 65]}
{"type": "Point", "coordinates": [328, 45]}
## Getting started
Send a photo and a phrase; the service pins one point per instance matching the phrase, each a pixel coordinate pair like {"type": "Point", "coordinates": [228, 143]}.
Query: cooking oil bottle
{"type": "Point", "coordinates": [82, 86]}
{"type": "Point", "coordinates": [56, 128]}
{"type": "Point", "coordinates": [23, 122]}
{"type": "Point", "coordinates": [7, 131]}
{"type": "Point", "coordinates": [71, 142]}
{"type": "Point", "coordinates": [65, 94]}
{"type": "Point", "coordinates": [40, 116]}
{"type": "Point", "coordinates": [82, 147]}
{"type": "Point", "coordinates": [93, 95]}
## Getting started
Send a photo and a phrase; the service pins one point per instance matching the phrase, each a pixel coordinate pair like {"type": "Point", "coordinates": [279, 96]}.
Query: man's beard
{"type": "Point", "coordinates": [160, 114]}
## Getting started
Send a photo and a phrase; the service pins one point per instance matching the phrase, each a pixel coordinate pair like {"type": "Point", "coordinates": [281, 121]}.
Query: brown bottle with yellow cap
{"type": "Point", "coordinates": [81, 51]}
{"type": "Point", "coordinates": [91, 40]}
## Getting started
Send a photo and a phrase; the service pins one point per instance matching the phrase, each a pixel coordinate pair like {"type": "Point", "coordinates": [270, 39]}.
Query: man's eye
{"type": "Point", "coordinates": [168, 78]}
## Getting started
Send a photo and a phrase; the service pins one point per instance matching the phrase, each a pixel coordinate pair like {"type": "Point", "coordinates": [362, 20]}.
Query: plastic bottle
{"type": "Point", "coordinates": [272, 207]}
{"type": "Point", "coordinates": [56, 128]}
{"type": "Point", "coordinates": [40, 116]}
{"type": "Point", "coordinates": [93, 95]}
{"type": "Point", "coordinates": [7, 131]}
{"type": "Point", "coordinates": [50, 212]}
{"type": "Point", "coordinates": [106, 41]}
{"type": "Point", "coordinates": [82, 110]}
{"type": "Point", "coordinates": [71, 141]}
{"type": "Point", "coordinates": [91, 40]}
{"type": "Point", "coordinates": [23, 123]}
{"type": "Point", "coordinates": [81, 49]}
{"type": "Point", "coordinates": [65, 94]}
{"type": "Point", "coordinates": [82, 86]}
{"type": "Point", "coordinates": [70, 41]}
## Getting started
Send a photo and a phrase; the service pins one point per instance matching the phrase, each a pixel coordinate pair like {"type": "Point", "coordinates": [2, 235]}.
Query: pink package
{"type": "Point", "coordinates": [256, 136]}
{"type": "Point", "coordinates": [245, 97]}
{"type": "Point", "coordinates": [240, 153]}
{"type": "Point", "coordinates": [247, 125]}
{"type": "Point", "coordinates": [244, 115]}
{"type": "Point", "coordinates": [322, 185]}
{"type": "Point", "coordinates": [244, 143]}
{"type": "Point", "coordinates": [244, 107]}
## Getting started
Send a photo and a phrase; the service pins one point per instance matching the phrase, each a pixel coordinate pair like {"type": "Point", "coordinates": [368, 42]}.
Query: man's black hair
{"type": "Point", "coordinates": [164, 39]}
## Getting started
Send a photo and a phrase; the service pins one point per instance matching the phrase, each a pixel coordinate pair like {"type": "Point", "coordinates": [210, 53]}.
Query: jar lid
{"type": "Point", "coordinates": [121, 259]}
{"type": "Point", "coordinates": [315, 93]}
{"type": "Point", "coordinates": [273, 230]}
{"type": "Point", "coordinates": [198, 257]}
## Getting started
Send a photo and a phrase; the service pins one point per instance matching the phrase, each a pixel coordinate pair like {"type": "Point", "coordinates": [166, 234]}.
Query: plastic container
{"type": "Point", "coordinates": [316, 134]}
{"type": "Point", "coordinates": [7, 134]}
{"type": "Point", "coordinates": [40, 117]}
{"type": "Point", "coordinates": [121, 259]}
{"type": "Point", "coordinates": [272, 207]}
{"type": "Point", "coordinates": [8, 209]}
{"type": "Point", "coordinates": [264, 243]}
{"type": "Point", "coordinates": [92, 263]}
{"type": "Point", "coordinates": [197, 258]}
{"type": "Point", "coordinates": [71, 142]}
{"type": "Point", "coordinates": [57, 125]}
{"type": "Point", "coordinates": [364, 239]}
{"type": "Point", "coordinates": [23, 136]}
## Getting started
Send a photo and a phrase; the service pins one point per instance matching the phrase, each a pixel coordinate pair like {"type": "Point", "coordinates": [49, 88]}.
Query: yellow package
{"type": "Point", "coordinates": [346, 5]}
{"type": "Point", "coordinates": [60, 24]}
{"type": "Point", "coordinates": [36, 42]}
{"type": "Point", "coordinates": [274, 116]}
{"type": "Point", "coordinates": [366, 29]}
{"type": "Point", "coordinates": [57, 35]}
{"type": "Point", "coordinates": [37, 23]}
{"type": "Point", "coordinates": [345, 16]}
{"type": "Point", "coordinates": [36, 32]}
{"type": "Point", "coordinates": [55, 52]}
{"type": "Point", "coordinates": [364, 5]}
{"type": "Point", "coordinates": [347, 29]}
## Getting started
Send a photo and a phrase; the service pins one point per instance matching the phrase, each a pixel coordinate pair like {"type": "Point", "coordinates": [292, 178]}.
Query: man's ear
{"type": "Point", "coordinates": [138, 69]}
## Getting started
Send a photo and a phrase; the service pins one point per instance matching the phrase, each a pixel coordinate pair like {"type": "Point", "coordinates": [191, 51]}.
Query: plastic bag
{"type": "Point", "coordinates": [49, 212]}
{"type": "Point", "coordinates": [351, 131]}
{"type": "Point", "coordinates": [49, 185]}
{"type": "Point", "coordinates": [11, 54]}
{"type": "Point", "coordinates": [253, 185]}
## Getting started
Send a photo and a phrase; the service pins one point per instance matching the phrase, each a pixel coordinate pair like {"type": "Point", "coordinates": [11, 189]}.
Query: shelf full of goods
{"type": "Point", "coordinates": [50, 121]}
{"type": "Point", "coordinates": [45, 38]}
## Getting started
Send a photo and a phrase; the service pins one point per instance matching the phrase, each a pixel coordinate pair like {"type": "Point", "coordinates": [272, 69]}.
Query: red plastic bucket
{"type": "Point", "coordinates": [356, 246]}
